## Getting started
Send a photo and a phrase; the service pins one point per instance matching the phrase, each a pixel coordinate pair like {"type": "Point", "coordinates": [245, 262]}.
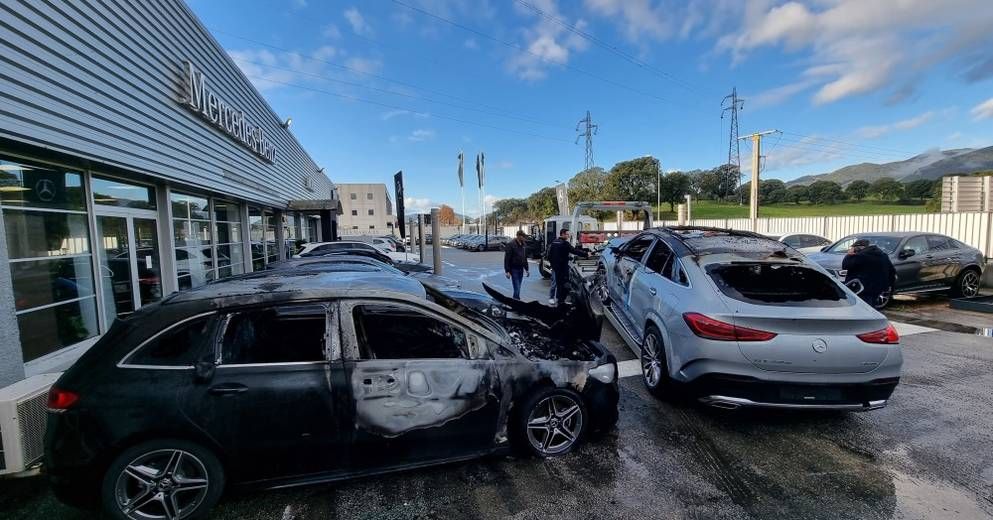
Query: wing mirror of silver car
{"type": "Point", "coordinates": [203, 371]}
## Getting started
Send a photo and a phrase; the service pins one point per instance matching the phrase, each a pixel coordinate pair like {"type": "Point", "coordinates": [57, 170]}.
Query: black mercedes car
{"type": "Point", "coordinates": [294, 377]}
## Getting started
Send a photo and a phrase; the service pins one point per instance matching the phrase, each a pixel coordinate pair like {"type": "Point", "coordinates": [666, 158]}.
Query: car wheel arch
{"type": "Point", "coordinates": [151, 435]}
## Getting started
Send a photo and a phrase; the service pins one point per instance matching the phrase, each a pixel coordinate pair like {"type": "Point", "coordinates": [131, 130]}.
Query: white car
{"type": "Point", "coordinates": [315, 248]}
{"type": "Point", "coordinates": [803, 242]}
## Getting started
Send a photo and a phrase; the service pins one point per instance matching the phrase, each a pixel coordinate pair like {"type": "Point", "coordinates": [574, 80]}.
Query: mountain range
{"type": "Point", "coordinates": [929, 165]}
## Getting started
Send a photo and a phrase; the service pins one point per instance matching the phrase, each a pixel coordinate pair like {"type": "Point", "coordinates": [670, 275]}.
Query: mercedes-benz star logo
{"type": "Point", "coordinates": [819, 346]}
{"type": "Point", "coordinates": [45, 190]}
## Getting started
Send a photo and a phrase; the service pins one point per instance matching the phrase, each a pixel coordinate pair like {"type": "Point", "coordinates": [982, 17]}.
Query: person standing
{"type": "Point", "coordinates": [870, 266]}
{"type": "Point", "coordinates": [515, 262]}
{"type": "Point", "coordinates": [558, 259]}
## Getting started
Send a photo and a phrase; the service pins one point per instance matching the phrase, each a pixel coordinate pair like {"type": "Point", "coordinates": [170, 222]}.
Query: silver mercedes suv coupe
{"type": "Point", "coordinates": [735, 319]}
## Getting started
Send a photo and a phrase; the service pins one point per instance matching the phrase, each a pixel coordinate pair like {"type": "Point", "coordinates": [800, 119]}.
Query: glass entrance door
{"type": "Point", "coordinates": [129, 263]}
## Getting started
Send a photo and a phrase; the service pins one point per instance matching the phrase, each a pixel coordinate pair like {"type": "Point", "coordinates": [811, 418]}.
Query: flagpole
{"type": "Point", "coordinates": [462, 186]}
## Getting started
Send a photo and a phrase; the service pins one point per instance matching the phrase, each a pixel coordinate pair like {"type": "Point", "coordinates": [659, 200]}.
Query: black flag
{"type": "Point", "coordinates": [461, 170]}
{"type": "Point", "coordinates": [398, 188]}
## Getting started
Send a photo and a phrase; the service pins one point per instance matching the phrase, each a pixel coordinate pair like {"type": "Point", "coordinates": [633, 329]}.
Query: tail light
{"type": "Point", "coordinates": [887, 336]}
{"type": "Point", "coordinates": [60, 400]}
{"type": "Point", "coordinates": [709, 328]}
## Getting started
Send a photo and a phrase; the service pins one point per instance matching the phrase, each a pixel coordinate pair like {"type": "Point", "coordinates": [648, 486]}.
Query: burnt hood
{"type": "Point", "coordinates": [580, 321]}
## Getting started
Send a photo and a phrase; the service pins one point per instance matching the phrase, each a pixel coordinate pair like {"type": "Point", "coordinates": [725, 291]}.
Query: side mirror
{"type": "Point", "coordinates": [204, 371]}
{"type": "Point", "coordinates": [825, 248]}
{"type": "Point", "coordinates": [907, 253]}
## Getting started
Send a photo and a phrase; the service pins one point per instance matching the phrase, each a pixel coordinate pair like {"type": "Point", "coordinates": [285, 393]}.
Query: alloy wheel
{"type": "Point", "coordinates": [651, 364]}
{"type": "Point", "coordinates": [600, 285]}
{"type": "Point", "coordinates": [167, 484]}
{"type": "Point", "coordinates": [884, 298]}
{"type": "Point", "coordinates": [970, 284]}
{"type": "Point", "coordinates": [555, 424]}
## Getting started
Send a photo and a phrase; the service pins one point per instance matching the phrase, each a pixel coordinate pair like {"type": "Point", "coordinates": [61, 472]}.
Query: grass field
{"type": "Point", "coordinates": [711, 209]}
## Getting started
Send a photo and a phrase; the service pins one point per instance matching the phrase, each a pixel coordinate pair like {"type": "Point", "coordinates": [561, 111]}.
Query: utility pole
{"type": "Point", "coordinates": [753, 210]}
{"type": "Point", "coordinates": [732, 103]}
{"type": "Point", "coordinates": [587, 130]}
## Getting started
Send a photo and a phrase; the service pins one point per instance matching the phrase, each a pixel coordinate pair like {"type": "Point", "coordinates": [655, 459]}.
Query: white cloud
{"type": "Point", "coordinates": [490, 200]}
{"type": "Point", "coordinates": [504, 165]}
{"type": "Point", "coordinates": [364, 65]}
{"type": "Point", "coordinates": [299, 4]}
{"type": "Point", "coordinates": [331, 31]}
{"type": "Point", "coordinates": [857, 47]}
{"type": "Point", "coordinates": [386, 116]}
{"type": "Point", "coordinates": [546, 43]}
{"type": "Point", "coordinates": [421, 134]}
{"type": "Point", "coordinates": [872, 132]}
{"type": "Point", "coordinates": [777, 95]}
{"type": "Point", "coordinates": [954, 136]}
{"type": "Point", "coordinates": [418, 205]}
{"type": "Point", "coordinates": [638, 18]}
{"type": "Point", "coordinates": [805, 152]}
{"type": "Point", "coordinates": [357, 21]}
{"type": "Point", "coordinates": [983, 110]}
{"type": "Point", "coordinates": [269, 70]}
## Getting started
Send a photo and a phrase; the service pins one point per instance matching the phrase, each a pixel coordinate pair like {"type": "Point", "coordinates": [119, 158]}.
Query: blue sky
{"type": "Point", "coordinates": [382, 85]}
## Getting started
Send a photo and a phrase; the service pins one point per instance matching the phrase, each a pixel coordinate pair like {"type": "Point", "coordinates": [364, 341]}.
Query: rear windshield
{"type": "Point", "coordinates": [778, 284]}
{"type": "Point", "coordinates": [706, 242]}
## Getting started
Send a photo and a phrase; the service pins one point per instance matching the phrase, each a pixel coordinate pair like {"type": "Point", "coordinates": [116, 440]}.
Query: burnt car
{"type": "Point", "coordinates": [279, 379]}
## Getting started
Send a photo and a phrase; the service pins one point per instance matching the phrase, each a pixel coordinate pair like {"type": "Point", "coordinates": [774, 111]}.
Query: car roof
{"type": "Point", "coordinates": [700, 240]}
{"type": "Point", "coordinates": [894, 234]}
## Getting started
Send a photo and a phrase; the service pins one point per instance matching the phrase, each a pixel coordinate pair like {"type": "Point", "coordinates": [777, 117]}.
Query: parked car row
{"type": "Point", "coordinates": [323, 368]}
{"type": "Point", "coordinates": [477, 242]}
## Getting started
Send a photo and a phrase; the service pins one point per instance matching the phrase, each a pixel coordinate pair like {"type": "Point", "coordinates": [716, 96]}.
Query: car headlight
{"type": "Point", "coordinates": [606, 373]}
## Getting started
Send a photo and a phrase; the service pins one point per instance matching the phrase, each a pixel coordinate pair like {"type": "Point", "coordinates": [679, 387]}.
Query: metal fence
{"type": "Point", "coordinates": [972, 228]}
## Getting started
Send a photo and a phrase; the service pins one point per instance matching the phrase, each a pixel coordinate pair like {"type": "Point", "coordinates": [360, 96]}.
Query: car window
{"type": "Point", "coordinates": [819, 241]}
{"type": "Point", "coordinates": [887, 243]}
{"type": "Point", "coordinates": [677, 274]}
{"type": "Point", "coordinates": [179, 346]}
{"type": "Point", "coordinates": [660, 259]}
{"type": "Point", "coordinates": [918, 244]}
{"type": "Point", "coordinates": [795, 241]}
{"type": "Point", "coordinates": [938, 243]}
{"type": "Point", "coordinates": [635, 249]}
{"type": "Point", "coordinates": [398, 332]}
{"type": "Point", "coordinates": [280, 334]}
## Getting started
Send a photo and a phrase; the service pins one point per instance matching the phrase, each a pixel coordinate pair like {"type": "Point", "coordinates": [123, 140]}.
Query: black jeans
{"type": "Point", "coordinates": [561, 285]}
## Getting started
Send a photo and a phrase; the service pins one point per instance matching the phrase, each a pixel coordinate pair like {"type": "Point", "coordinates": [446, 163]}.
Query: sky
{"type": "Point", "coordinates": [378, 86]}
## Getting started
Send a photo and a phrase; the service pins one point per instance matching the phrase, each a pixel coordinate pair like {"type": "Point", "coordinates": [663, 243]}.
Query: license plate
{"type": "Point", "coordinates": [810, 394]}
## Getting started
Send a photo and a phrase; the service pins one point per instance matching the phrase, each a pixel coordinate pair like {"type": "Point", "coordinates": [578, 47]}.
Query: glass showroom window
{"type": "Point", "coordinates": [271, 251]}
{"type": "Point", "coordinates": [51, 264]}
{"type": "Point", "coordinates": [290, 234]}
{"type": "Point", "coordinates": [230, 256]}
{"type": "Point", "coordinates": [191, 231]}
{"type": "Point", "coordinates": [257, 235]}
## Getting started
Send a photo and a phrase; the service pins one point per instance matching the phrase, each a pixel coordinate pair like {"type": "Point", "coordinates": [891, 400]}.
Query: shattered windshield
{"type": "Point", "coordinates": [707, 242]}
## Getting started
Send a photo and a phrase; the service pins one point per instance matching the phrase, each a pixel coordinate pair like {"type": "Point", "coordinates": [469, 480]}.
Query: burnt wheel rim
{"type": "Point", "coordinates": [600, 284]}
{"type": "Point", "coordinates": [970, 284]}
{"type": "Point", "coordinates": [554, 424]}
{"type": "Point", "coordinates": [168, 484]}
{"type": "Point", "coordinates": [651, 364]}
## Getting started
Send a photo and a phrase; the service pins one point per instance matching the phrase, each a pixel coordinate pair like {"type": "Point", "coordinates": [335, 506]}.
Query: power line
{"type": "Point", "coordinates": [402, 94]}
{"type": "Point", "coordinates": [611, 47]}
{"type": "Point", "coordinates": [396, 107]}
{"type": "Point", "coordinates": [517, 46]}
{"type": "Point", "coordinates": [839, 148]}
{"type": "Point", "coordinates": [868, 146]}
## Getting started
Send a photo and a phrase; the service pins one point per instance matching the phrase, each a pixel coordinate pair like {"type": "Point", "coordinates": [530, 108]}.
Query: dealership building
{"type": "Point", "coordinates": [135, 160]}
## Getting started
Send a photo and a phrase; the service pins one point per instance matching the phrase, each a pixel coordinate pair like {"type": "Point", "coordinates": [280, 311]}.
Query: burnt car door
{"type": "Point", "coordinates": [628, 261]}
{"type": "Point", "coordinates": [269, 402]}
{"type": "Point", "coordinates": [423, 387]}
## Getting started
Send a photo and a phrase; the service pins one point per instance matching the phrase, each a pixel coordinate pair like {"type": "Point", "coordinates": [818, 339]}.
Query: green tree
{"type": "Point", "coordinates": [705, 184]}
{"type": "Point", "coordinates": [588, 185]}
{"type": "Point", "coordinates": [542, 204]}
{"type": "Point", "coordinates": [920, 189]}
{"type": "Point", "coordinates": [674, 188]}
{"type": "Point", "coordinates": [768, 187]}
{"type": "Point", "coordinates": [887, 188]}
{"type": "Point", "coordinates": [728, 176]}
{"type": "Point", "coordinates": [510, 211]}
{"type": "Point", "coordinates": [633, 180]}
{"type": "Point", "coordinates": [825, 192]}
{"type": "Point", "coordinates": [857, 190]}
{"type": "Point", "coordinates": [797, 193]}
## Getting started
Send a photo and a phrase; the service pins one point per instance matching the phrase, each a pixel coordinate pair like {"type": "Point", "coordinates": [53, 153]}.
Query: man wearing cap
{"type": "Point", "coordinates": [515, 262]}
{"type": "Point", "coordinates": [872, 267]}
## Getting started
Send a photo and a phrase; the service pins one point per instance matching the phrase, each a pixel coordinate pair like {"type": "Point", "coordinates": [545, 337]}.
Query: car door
{"type": "Point", "coordinates": [649, 283]}
{"type": "Point", "coordinates": [945, 261]}
{"type": "Point", "coordinates": [423, 388]}
{"type": "Point", "coordinates": [629, 259]}
{"type": "Point", "coordinates": [270, 402]}
{"type": "Point", "coordinates": [911, 269]}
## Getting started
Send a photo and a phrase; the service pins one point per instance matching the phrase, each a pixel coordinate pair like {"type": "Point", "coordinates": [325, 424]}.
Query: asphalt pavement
{"type": "Point", "coordinates": [929, 454]}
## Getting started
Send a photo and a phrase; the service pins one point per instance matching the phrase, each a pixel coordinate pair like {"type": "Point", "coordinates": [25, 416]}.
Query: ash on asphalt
{"type": "Point", "coordinates": [927, 455]}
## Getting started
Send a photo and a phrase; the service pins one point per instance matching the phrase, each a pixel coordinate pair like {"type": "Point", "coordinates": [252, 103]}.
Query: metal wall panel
{"type": "Point", "coordinates": [104, 80]}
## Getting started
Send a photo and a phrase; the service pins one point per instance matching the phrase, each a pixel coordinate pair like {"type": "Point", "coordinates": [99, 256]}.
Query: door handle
{"type": "Point", "coordinates": [653, 291]}
{"type": "Point", "coordinates": [227, 389]}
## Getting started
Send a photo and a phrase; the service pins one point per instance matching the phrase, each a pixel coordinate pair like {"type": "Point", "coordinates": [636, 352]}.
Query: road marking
{"type": "Point", "coordinates": [631, 367]}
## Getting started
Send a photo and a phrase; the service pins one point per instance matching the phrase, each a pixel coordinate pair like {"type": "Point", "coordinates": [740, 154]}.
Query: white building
{"type": "Point", "coordinates": [366, 210]}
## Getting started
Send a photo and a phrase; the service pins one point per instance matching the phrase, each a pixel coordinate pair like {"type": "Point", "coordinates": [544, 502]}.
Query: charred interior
{"type": "Point", "coordinates": [537, 342]}
{"type": "Point", "coordinates": [775, 283]}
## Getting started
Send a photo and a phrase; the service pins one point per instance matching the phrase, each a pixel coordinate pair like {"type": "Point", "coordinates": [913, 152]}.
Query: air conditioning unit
{"type": "Point", "coordinates": [22, 422]}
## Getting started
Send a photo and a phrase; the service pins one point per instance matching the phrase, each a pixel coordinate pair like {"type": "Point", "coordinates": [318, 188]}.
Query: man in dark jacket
{"type": "Point", "coordinates": [558, 259]}
{"type": "Point", "coordinates": [515, 262]}
{"type": "Point", "coordinates": [871, 266]}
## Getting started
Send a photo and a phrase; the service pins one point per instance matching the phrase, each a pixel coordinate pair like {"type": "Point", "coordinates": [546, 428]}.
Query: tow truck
{"type": "Point", "coordinates": [582, 269]}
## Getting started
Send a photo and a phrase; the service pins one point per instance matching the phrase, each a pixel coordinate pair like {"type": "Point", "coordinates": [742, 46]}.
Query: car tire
{"type": "Point", "coordinates": [152, 475]}
{"type": "Point", "coordinates": [884, 300]}
{"type": "Point", "coordinates": [967, 284]}
{"type": "Point", "coordinates": [480, 248]}
{"type": "Point", "coordinates": [654, 365]}
{"type": "Point", "coordinates": [551, 422]}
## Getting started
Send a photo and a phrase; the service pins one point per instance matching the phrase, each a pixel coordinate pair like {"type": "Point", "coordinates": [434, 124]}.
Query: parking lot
{"type": "Point", "coordinates": [929, 454]}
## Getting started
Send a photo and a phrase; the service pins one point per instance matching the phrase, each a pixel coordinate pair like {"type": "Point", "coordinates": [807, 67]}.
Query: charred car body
{"type": "Point", "coordinates": [736, 319]}
{"type": "Point", "coordinates": [286, 378]}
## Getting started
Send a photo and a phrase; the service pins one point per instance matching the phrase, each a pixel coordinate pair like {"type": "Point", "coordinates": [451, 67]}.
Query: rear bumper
{"type": "Point", "coordinates": [731, 391]}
